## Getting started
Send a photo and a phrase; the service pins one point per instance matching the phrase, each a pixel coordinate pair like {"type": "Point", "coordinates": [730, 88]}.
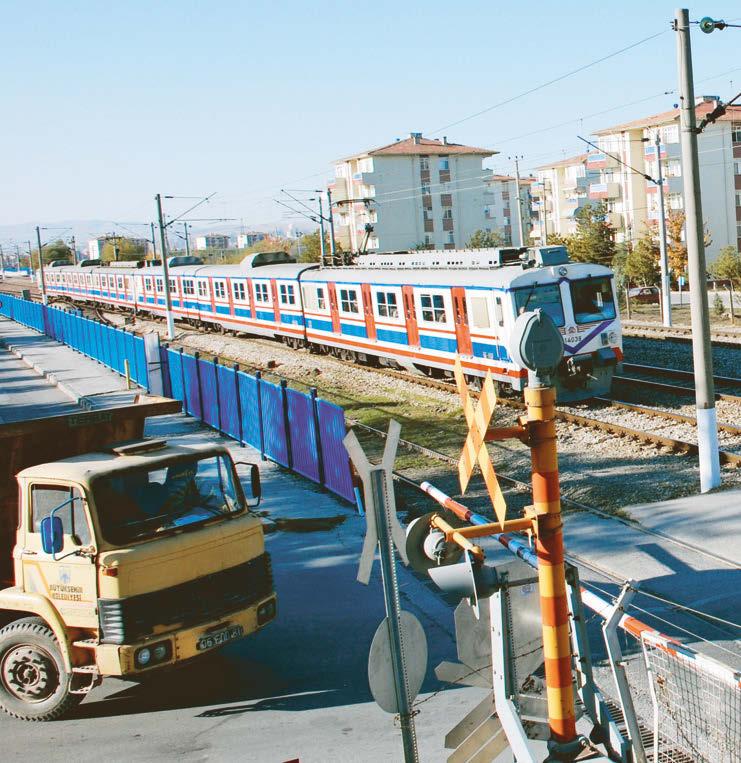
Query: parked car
{"type": "Point", "coordinates": [648, 294]}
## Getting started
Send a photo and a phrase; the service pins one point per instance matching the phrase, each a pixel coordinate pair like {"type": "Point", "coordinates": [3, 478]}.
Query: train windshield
{"type": "Point", "coordinates": [546, 297]}
{"type": "Point", "coordinates": [592, 300]}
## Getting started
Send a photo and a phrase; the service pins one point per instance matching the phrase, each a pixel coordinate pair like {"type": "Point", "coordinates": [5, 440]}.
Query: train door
{"type": "Point", "coordinates": [407, 293]}
{"type": "Point", "coordinates": [251, 299]}
{"type": "Point", "coordinates": [229, 294]}
{"type": "Point", "coordinates": [333, 308]}
{"type": "Point", "coordinates": [462, 334]}
{"type": "Point", "coordinates": [276, 304]}
{"type": "Point", "coordinates": [370, 323]}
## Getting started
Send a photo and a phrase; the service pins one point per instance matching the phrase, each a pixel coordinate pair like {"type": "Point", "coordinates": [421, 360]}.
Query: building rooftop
{"type": "Point", "coordinates": [667, 117]}
{"type": "Point", "coordinates": [416, 145]}
{"type": "Point", "coordinates": [578, 159]}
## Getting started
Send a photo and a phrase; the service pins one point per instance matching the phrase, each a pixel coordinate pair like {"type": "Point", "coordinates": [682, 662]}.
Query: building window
{"type": "Point", "coordinates": [674, 169]}
{"type": "Point", "coordinates": [287, 296]}
{"type": "Point", "coordinates": [261, 293]}
{"type": "Point", "coordinates": [202, 289]}
{"type": "Point", "coordinates": [451, 237]}
{"type": "Point", "coordinates": [386, 304]}
{"type": "Point", "coordinates": [443, 163]}
{"type": "Point", "coordinates": [220, 289]}
{"type": "Point", "coordinates": [238, 291]}
{"type": "Point", "coordinates": [365, 165]}
{"type": "Point", "coordinates": [349, 300]}
{"type": "Point", "coordinates": [446, 199]}
{"type": "Point", "coordinates": [675, 201]}
{"type": "Point", "coordinates": [425, 189]}
{"type": "Point", "coordinates": [736, 132]}
{"type": "Point", "coordinates": [428, 242]}
{"type": "Point", "coordinates": [188, 288]}
{"type": "Point", "coordinates": [433, 308]}
{"type": "Point", "coordinates": [447, 214]}
{"type": "Point", "coordinates": [737, 167]}
{"type": "Point", "coordinates": [424, 163]}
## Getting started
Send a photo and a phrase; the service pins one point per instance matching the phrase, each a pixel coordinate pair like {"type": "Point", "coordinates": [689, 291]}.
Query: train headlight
{"type": "Point", "coordinates": [612, 336]}
{"type": "Point", "coordinates": [562, 271]}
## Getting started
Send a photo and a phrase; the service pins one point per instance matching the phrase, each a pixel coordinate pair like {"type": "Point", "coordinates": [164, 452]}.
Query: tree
{"type": "Point", "coordinates": [727, 265]}
{"type": "Point", "coordinates": [641, 264]}
{"type": "Point", "coordinates": [311, 250]}
{"type": "Point", "coordinates": [129, 250]}
{"type": "Point", "coordinates": [676, 249]}
{"type": "Point", "coordinates": [485, 239]}
{"type": "Point", "coordinates": [594, 240]}
{"type": "Point", "coordinates": [56, 250]}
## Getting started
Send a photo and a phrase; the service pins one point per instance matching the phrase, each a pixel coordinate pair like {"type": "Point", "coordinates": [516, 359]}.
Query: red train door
{"type": "Point", "coordinates": [251, 299]}
{"type": "Point", "coordinates": [370, 323]}
{"type": "Point", "coordinates": [276, 306]}
{"type": "Point", "coordinates": [333, 308]}
{"type": "Point", "coordinates": [229, 294]}
{"type": "Point", "coordinates": [211, 295]}
{"type": "Point", "coordinates": [462, 334]}
{"type": "Point", "coordinates": [407, 294]}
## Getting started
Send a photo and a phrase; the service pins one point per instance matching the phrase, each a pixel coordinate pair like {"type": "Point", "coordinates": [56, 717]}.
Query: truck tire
{"type": "Point", "coordinates": [34, 685]}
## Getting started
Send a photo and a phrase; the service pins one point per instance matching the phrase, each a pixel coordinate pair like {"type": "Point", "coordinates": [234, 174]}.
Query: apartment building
{"type": "Point", "coordinates": [212, 241]}
{"type": "Point", "coordinates": [413, 193]}
{"type": "Point", "coordinates": [632, 201]}
{"type": "Point", "coordinates": [561, 189]}
{"type": "Point", "coordinates": [500, 210]}
{"type": "Point", "coordinates": [246, 240]}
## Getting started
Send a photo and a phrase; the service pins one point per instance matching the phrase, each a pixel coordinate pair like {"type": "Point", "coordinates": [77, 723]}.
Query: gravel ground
{"type": "Point", "coordinates": [597, 468]}
{"type": "Point", "coordinates": [673, 354]}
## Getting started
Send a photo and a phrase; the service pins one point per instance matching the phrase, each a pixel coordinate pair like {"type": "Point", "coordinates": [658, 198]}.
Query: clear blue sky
{"type": "Point", "coordinates": [105, 104]}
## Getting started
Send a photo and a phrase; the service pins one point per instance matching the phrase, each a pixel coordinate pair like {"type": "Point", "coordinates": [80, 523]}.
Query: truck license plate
{"type": "Point", "coordinates": [217, 638]}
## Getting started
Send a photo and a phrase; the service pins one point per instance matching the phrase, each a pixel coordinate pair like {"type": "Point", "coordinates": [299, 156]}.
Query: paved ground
{"type": "Point", "coordinates": [299, 688]}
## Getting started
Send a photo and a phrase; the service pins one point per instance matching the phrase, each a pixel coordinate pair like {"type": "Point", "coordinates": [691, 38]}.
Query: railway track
{"type": "Point", "coordinates": [724, 337]}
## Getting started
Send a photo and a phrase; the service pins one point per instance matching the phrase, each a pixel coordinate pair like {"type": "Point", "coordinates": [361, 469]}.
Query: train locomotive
{"type": "Point", "coordinates": [412, 310]}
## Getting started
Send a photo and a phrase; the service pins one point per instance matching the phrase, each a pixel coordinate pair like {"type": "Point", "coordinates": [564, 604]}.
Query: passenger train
{"type": "Point", "coordinates": [414, 310]}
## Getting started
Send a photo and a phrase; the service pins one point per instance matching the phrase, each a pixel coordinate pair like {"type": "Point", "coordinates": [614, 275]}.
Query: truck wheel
{"type": "Point", "coordinates": [34, 685]}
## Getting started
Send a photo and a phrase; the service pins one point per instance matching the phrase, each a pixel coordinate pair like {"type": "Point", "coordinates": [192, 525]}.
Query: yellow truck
{"type": "Point", "coordinates": [125, 558]}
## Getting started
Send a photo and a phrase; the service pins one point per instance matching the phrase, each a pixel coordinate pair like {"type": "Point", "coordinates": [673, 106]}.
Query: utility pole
{"type": "Point", "coordinates": [74, 250]}
{"type": "Point", "coordinates": [2, 264]}
{"type": "Point", "coordinates": [321, 234]}
{"type": "Point", "coordinates": [707, 424]}
{"type": "Point", "coordinates": [545, 215]}
{"type": "Point", "coordinates": [519, 202]}
{"type": "Point", "coordinates": [332, 245]}
{"type": "Point", "coordinates": [187, 240]}
{"type": "Point", "coordinates": [165, 272]}
{"type": "Point", "coordinates": [666, 293]}
{"type": "Point", "coordinates": [154, 245]}
{"type": "Point", "coordinates": [44, 298]}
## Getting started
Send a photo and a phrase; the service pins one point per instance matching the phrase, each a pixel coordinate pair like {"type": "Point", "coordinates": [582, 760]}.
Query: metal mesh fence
{"type": "Point", "coordinates": [697, 705]}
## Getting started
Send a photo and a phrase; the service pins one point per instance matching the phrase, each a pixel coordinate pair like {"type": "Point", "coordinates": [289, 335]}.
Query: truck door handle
{"type": "Point", "coordinates": [26, 552]}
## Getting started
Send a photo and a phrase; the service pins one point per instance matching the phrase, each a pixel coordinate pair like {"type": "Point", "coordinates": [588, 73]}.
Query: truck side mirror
{"type": "Point", "coordinates": [52, 534]}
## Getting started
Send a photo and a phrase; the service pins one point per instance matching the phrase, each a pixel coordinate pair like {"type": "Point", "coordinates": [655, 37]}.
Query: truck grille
{"type": "Point", "coordinates": [124, 621]}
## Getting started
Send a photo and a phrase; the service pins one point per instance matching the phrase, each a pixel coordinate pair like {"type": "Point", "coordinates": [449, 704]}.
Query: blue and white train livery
{"type": "Point", "coordinates": [415, 310]}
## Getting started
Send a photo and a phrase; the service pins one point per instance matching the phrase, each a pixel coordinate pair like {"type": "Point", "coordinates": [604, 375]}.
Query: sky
{"type": "Point", "coordinates": [106, 104]}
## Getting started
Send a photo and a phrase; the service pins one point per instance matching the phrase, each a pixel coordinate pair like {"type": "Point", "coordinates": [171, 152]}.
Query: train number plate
{"type": "Point", "coordinates": [217, 638]}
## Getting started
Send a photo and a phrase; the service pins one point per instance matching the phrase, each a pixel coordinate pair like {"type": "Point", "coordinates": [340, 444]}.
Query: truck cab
{"type": "Point", "coordinates": [127, 560]}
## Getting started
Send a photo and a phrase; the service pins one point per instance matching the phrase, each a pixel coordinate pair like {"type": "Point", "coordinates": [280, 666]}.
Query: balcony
{"type": "Point", "coordinates": [429, 226]}
{"type": "Point", "coordinates": [600, 161]}
{"type": "Point", "coordinates": [339, 190]}
{"type": "Point", "coordinates": [447, 223]}
{"type": "Point", "coordinates": [615, 219]}
{"type": "Point", "coordinates": [424, 176]}
{"type": "Point", "coordinates": [604, 191]}
{"type": "Point", "coordinates": [444, 176]}
{"type": "Point", "coordinates": [446, 199]}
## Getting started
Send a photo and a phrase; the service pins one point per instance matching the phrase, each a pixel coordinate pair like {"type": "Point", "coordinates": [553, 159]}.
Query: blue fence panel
{"type": "Point", "coordinates": [165, 366]}
{"type": "Point", "coordinates": [176, 375]}
{"type": "Point", "coordinates": [209, 393]}
{"type": "Point", "coordinates": [140, 357]}
{"type": "Point", "coordinates": [227, 380]}
{"type": "Point", "coordinates": [338, 477]}
{"type": "Point", "coordinates": [249, 408]}
{"type": "Point", "coordinates": [192, 386]}
{"type": "Point", "coordinates": [273, 423]}
{"type": "Point", "coordinates": [304, 456]}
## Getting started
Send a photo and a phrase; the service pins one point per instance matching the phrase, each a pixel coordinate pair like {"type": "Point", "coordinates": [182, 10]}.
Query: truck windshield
{"type": "Point", "coordinates": [592, 300]}
{"type": "Point", "coordinates": [547, 297]}
{"type": "Point", "coordinates": [140, 503]}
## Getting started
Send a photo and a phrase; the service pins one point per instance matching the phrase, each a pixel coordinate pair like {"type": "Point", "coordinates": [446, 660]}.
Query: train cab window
{"type": "Point", "coordinates": [46, 498]}
{"type": "Point", "coordinates": [479, 312]}
{"type": "Point", "coordinates": [202, 289]}
{"type": "Point", "coordinates": [592, 300]}
{"type": "Point", "coordinates": [349, 301]}
{"type": "Point", "coordinates": [546, 297]}
{"type": "Point", "coordinates": [238, 290]}
{"type": "Point", "coordinates": [433, 308]}
{"type": "Point", "coordinates": [386, 304]}
{"type": "Point", "coordinates": [160, 289]}
{"type": "Point", "coordinates": [287, 296]}
{"type": "Point", "coordinates": [220, 289]}
{"type": "Point", "coordinates": [188, 287]}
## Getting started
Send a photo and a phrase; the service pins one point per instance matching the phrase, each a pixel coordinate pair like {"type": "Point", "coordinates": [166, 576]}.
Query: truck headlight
{"type": "Point", "coordinates": [266, 611]}
{"type": "Point", "coordinates": [159, 652]}
{"type": "Point", "coordinates": [143, 656]}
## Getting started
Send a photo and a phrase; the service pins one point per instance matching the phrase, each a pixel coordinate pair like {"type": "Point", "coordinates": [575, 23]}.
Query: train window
{"type": "Point", "coordinates": [160, 288]}
{"type": "Point", "coordinates": [498, 311]}
{"type": "Point", "coordinates": [433, 308]}
{"type": "Point", "coordinates": [386, 304]}
{"type": "Point", "coordinates": [287, 296]}
{"type": "Point", "coordinates": [89, 280]}
{"type": "Point", "coordinates": [173, 286]}
{"type": "Point", "coordinates": [148, 284]}
{"type": "Point", "coordinates": [321, 302]}
{"type": "Point", "coordinates": [238, 291]}
{"type": "Point", "coordinates": [479, 312]}
{"type": "Point", "coordinates": [104, 279]}
{"type": "Point", "coordinates": [592, 300]}
{"type": "Point", "coordinates": [202, 288]}
{"type": "Point", "coordinates": [349, 301]}
{"type": "Point", "coordinates": [120, 283]}
{"type": "Point", "coordinates": [220, 289]}
{"type": "Point", "coordinates": [188, 287]}
{"type": "Point", "coordinates": [546, 297]}
{"type": "Point", "coordinates": [261, 293]}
